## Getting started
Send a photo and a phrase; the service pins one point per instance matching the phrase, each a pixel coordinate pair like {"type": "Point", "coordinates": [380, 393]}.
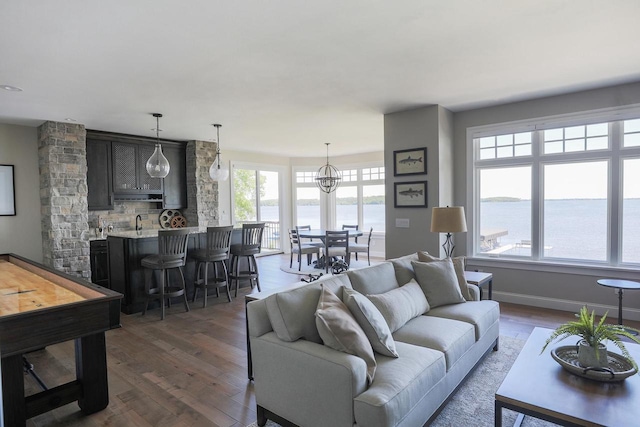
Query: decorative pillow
{"type": "Point", "coordinates": [340, 331]}
{"type": "Point", "coordinates": [377, 279]}
{"type": "Point", "coordinates": [459, 264]}
{"type": "Point", "coordinates": [291, 313]}
{"type": "Point", "coordinates": [439, 282]}
{"type": "Point", "coordinates": [371, 321]}
{"type": "Point", "coordinates": [403, 268]}
{"type": "Point", "coordinates": [398, 306]}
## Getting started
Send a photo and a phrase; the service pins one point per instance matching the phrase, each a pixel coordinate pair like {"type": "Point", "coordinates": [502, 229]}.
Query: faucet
{"type": "Point", "coordinates": [138, 218]}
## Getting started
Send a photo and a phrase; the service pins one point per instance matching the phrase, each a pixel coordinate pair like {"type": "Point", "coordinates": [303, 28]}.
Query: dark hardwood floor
{"type": "Point", "coordinates": [191, 368]}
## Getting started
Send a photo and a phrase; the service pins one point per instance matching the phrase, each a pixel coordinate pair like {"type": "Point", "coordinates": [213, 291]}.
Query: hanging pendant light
{"type": "Point", "coordinates": [158, 165]}
{"type": "Point", "coordinates": [328, 176]}
{"type": "Point", "coordinates": [217, 171]}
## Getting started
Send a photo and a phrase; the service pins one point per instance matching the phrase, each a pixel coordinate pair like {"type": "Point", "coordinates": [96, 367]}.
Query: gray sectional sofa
{"type": "Point", "coordinates": [312, 366]}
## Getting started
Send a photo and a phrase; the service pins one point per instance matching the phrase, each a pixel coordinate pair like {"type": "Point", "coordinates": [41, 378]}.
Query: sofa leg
{"type": "Point", "coordinates": [262, 416]}
{"type": "Point", "coordinates": [495, 347]}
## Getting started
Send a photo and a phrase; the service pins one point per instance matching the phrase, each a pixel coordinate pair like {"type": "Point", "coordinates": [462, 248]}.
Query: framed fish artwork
{"type": "Point", "coordinates": [410, 162]}
{"type": "Point", "coordinates": [410, 194]}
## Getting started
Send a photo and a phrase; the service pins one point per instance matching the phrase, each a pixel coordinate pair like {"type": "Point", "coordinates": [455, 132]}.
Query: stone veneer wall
{"type": "Point", "coordinates": [202, 191]}
{"type": "Point", "coordinates": [62, 155]}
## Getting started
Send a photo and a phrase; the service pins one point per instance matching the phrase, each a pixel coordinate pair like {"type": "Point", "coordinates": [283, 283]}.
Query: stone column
{"type": "Point", "coordinates": [63, 197]}
{"type": "Point", "coordinates": [202, 191]}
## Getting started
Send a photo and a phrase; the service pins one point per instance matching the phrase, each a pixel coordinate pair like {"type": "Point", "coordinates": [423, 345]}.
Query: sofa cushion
{"type": "Point", "coordinates": [371, 321]}
{"type": "Point", "coordinates": [340, 331]}
{"type": "Point", "coordinates": [459, 265]}
{"type": "Point", "coordinates": [481, 314]}
{"type": "Point", "coordinates": [452, 337]}
{"type": "Point", "coordinates": [376, 279]}
{"type": "Point", "coordinates": [439, 282]}
{"type": "Point", "coordinates": [292, 313]}
{"type": "Point", "coordinates": [400, 384]}
{"type": "Point", "coordinates": [403, 268]}
{"type": "Point", "coordinates": [400, 305]}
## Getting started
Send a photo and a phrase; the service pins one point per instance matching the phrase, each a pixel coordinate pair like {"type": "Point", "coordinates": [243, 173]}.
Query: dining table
{"type": "Point", "coordinates": [319, 233]}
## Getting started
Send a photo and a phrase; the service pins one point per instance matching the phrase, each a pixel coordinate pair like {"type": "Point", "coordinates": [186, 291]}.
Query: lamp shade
{"type": "Point", "coordinates": [448, 220]}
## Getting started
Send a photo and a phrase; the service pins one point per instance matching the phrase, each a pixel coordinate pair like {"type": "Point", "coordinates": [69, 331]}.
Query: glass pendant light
{"type": "Point", "coordinates": [328, 176]}
{"type": "Point", "coordinates": [217, 171]}
{"type": "Point", "coordinates": [158, 165]}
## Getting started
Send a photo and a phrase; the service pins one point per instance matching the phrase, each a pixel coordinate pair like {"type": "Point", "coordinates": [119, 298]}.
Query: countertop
{"type": "Point", "coordinates": [141, 234]}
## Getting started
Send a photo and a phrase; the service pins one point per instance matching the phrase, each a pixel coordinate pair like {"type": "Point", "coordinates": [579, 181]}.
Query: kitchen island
{"type": "Point", "coordinates": [127, 248]}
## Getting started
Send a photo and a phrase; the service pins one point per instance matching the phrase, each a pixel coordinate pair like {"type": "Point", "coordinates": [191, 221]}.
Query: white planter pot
{"type": "Point", "coordinates": [587, 355]}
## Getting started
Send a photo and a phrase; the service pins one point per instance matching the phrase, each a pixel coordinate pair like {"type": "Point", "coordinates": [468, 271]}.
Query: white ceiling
{"type": "Point", "coordinates": [286, 76]}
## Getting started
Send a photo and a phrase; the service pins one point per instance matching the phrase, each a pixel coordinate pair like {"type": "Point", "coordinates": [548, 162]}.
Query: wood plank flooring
{"type": "Point", "coordinates": [191, 368]}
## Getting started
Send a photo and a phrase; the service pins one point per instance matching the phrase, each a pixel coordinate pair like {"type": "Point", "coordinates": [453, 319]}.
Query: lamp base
{"type": "Point", "coordinates": [448, 246]}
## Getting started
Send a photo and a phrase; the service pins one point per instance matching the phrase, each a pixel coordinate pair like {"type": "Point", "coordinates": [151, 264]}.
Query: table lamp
{"type": "Point", "coordinates": [448, 220]}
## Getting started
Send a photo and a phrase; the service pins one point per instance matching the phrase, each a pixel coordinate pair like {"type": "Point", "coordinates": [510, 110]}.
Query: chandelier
{"type": "Point", "coordinates": [328, 176]}
{"type": "Point", "coordinates": [158, 165]}
{"type": "Point", "coordinates": [217, 171]}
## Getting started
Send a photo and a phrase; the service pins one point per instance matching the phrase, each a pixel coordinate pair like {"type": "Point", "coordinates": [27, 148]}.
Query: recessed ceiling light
{"type": "Point", "coordinates": [11, 88]}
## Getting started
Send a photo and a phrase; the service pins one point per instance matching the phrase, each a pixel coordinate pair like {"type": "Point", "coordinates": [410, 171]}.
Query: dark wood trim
{"type": "Point", "coordinates": [122, 137]}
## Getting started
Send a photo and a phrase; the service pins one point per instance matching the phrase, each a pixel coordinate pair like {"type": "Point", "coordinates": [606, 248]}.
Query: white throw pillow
{"type": "Point", "coordinates": [371, 321]}
{"type": "Point", "coordinates": [439, 282]}
{"type": "Point", "coordinates": [400, 305]}
{"type": "Point", "coordinates": [340, 331]}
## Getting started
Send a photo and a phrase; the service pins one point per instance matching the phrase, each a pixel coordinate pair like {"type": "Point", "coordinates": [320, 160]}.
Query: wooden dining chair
{"type": "Point", "coordinates": [361, 247]}
{"type": "Point", "coordinates": [299, 248]}
{"type": "Point", "coordinates": [309, 241]}
{"type": "Point", "coordinates": [336, 244]}
{"type": "Point", "coordinates": [354, 240]}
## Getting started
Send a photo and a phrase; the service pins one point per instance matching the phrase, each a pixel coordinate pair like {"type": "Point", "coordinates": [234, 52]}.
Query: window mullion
{"type": "Point", "coordinates": [537, 187]}
{"type": "Point", "coordinates": [615, 193]}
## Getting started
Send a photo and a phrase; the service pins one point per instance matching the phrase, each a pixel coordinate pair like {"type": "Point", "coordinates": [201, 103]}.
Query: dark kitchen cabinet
{"type": "Point", "coordinates": [175, 184]}
{"type": "Point", "coordinates": [99, 257]}
{"type": "Point", "coordinates": [129, 169]}
{"type": "Point", "coordinates": [99, 166]}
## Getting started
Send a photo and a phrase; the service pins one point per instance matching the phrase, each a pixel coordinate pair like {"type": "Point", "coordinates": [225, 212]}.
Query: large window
{"type": "Point", "coordinates": [567, 193]}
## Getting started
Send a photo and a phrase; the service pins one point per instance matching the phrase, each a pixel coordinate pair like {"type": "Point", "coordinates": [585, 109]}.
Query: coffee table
{"type": "Point", "coordinates": [538, 386]}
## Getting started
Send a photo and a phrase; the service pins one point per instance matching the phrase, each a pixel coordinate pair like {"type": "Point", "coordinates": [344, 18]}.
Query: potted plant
{"type": "Point", "coordinates": [591, 350]}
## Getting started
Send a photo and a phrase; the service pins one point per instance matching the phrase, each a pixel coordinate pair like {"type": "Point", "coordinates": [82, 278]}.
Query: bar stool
{"type": "Point", "coordinates": [172, 254]}
{"type": "Point", "coordinates": [250, 245]}
{"type": "Point", "coordinates": [216, 253]}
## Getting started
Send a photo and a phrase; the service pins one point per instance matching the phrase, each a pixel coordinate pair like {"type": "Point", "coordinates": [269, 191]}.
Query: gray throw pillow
{"type": "Point", "coordinates": [459, 264]}
{"type": "Point", "coordinates": [400, 305]}
{"type": "Point", "coordinates": [373, 280]}
{"type": "Point", "coordinates": [403, 268]}
{"type": "Point", "coordinates": [439, 282]}
{"type": "Point", "coordinates": [340, 331]}
{"type": "Point", "coordinates": [371, 321]}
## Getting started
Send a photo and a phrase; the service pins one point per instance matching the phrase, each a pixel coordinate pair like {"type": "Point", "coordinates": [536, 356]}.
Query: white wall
{"type": "Point", "coordinates": [21, 234]}
{"type": "Point", "coordinates": [539, 285]}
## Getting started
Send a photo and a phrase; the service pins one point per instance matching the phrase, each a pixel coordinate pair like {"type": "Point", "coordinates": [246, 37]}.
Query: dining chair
{"type": "Point", "coordinates": [310, 240]}
{"type": "Point", "coordinates": [336, 245]}
{"type": "Point", "coordinates": [299, 248]}
{"type": "Point", "coordinates": [215, 253]}
{"type": "Point", "coordinates": [250, 246]}
{"type": "Point", "coordinates": [172, 254]}
{"type": "Point", "coordinates": [354, 240]}
{"type": "Point", "coordinates": [361, 247]}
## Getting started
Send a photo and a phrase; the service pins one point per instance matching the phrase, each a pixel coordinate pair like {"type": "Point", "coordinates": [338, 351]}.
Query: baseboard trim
{"type": "Point", "coordinates": [566, 305]}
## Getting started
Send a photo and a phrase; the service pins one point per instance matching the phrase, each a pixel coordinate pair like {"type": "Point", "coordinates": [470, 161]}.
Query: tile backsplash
{"type": "Point", "coordinates": [123, 216]}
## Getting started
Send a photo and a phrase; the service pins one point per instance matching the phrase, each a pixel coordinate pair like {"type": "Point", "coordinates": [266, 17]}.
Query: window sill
{"type": "Point", "coordinates": [584, 269]}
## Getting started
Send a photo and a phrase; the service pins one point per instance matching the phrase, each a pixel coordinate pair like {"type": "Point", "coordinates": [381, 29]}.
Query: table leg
{"type": "Point", "coordinates": [491, 289]}
{"type": "Point", "coordinates": [497, 414]}
{"type": "Point", "coordinates": [91, 372]}
{"type": "Point", "coordinates": [620, 306]}
{"type": "Point", "coordinates": [14, 407]}
{"type": "Point", "coordinates": [249, 360]}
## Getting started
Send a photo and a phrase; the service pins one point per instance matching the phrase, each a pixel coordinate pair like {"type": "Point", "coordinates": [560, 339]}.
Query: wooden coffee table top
{"type": "Point", "coordinates": [538, 383]}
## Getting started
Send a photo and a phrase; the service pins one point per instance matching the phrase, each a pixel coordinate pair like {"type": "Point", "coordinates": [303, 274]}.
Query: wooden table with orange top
{"type": "Point", "coordinates": [40, 306]}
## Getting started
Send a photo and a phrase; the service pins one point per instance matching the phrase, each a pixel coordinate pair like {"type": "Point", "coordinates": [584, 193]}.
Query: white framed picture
{"type": "Point", "coordinates": [7, 191]}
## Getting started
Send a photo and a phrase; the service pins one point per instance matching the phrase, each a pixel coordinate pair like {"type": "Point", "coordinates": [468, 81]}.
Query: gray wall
{"type": "Point", "coordinates": [20, 234]}
{"type": "Point", "coordinates": [547, 286]}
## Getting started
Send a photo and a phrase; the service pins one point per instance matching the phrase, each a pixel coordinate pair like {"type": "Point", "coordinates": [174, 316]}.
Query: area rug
{"type": "Point", "coordinates": [305, 269]}
{"type": "Point", "coordinates": [473, 404]}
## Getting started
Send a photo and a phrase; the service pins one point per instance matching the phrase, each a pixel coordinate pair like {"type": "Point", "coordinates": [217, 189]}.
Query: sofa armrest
{"type": "Point", "coordinates": [306, 383]}
{"type": "Point", "coordinates": [474, 291]}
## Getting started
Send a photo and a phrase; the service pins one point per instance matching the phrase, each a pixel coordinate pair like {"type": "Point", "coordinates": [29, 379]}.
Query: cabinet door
{"type": "Point", "coordinates": [175, 184]}
{"type": "Point", "coordinates": [145, 182]}
{"type": "Point", "coordinates": [100, 192]}
{"type": "Point", "coordinates": [124, 167]}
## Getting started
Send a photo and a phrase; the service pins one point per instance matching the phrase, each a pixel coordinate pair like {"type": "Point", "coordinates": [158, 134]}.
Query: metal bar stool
{"type": "Point", "coordinates": [216, 253]}
{"type": "Point", "coordinates": [250, 245]}
{"type": "Point", "coordinates": [172, 254]}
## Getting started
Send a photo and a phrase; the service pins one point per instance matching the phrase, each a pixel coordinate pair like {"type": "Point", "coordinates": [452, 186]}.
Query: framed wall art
{"type": "Point", "coordinates": [410, 162]}
{"type": "Point", "coordinates": [7, 191]}
{"type": "Point", "coordinates": [410, 194]}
